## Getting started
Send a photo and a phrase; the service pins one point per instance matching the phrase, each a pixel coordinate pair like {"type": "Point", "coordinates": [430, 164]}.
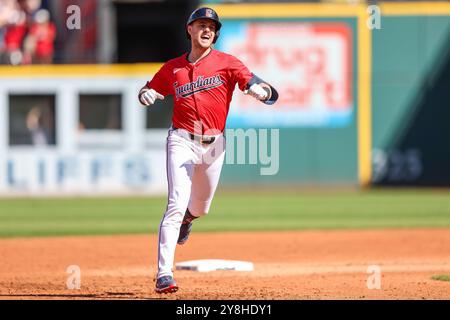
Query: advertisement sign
{"type": "Point", "coordinates": [310, 64]}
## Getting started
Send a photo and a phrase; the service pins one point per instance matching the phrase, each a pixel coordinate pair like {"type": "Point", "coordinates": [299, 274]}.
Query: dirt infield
{"type": "Point", "coordinates": [288, 265]}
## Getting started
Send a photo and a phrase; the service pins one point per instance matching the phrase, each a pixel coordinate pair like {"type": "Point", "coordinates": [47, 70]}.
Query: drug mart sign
{"type": "Point", "coordinates": [310, 64]}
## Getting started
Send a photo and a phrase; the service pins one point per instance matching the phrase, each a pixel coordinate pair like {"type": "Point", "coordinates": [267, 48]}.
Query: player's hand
{"type": "Point", "coordinates": [257, 92]}
{"type": "Point", "coordinates": [149, 97]}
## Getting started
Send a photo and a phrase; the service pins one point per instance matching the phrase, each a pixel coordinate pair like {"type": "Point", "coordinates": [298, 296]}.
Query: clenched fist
{"type": "Point", "coordinates": [148, 96]}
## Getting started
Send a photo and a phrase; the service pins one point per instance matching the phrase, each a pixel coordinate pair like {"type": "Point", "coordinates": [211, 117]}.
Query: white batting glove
{"type": "Point", "coordinates": [257, 92]}
{"type": "Point", "coordinates": [149, 97]}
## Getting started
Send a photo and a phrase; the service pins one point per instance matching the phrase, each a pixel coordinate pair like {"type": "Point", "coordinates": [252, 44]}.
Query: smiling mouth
{"type": "Point", "coordinates": [206, 37]}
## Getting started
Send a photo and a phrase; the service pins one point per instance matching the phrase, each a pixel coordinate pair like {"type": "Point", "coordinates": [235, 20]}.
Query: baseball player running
{"type": "Point", "coordinates": [202, 82]}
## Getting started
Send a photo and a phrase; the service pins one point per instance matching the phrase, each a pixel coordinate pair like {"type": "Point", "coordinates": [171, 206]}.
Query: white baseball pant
{"type": "Point", "coordinates": [193, 171]}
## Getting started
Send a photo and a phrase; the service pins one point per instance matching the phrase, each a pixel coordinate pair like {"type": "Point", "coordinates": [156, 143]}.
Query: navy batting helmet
{"type": "Point", "coordinates": [205, 13]}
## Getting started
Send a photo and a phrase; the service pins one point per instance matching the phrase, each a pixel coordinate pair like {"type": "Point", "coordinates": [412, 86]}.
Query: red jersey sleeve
{"type": "Point", "coordinates": [239, 72]}
{"type": "Point", "coordinates": [161, 81]}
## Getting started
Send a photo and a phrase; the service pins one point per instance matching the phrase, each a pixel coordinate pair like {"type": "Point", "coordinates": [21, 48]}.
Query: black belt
{"type": "Point", "coordinates": [200, 138]}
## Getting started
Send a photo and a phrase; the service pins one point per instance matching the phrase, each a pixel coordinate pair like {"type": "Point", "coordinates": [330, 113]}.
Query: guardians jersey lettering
{"type": "Point", "coordinates": [201, 84]}
{"type": "Point", "coordinates": [202, 90]}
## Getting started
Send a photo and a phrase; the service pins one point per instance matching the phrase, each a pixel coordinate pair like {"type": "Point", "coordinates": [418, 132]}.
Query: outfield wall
{"type": "Point", "coordinates": [357, 106]}
{"type": "Point", "coordinates": [80, 161]}
{"type": "Point", "coordinates": [411, 98]}
{"type": "Point", "coordinates": [399, 101]}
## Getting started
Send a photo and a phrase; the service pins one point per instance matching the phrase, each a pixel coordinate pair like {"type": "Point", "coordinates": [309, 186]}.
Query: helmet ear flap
{"type": "Point", "coordinates": [216, 36]}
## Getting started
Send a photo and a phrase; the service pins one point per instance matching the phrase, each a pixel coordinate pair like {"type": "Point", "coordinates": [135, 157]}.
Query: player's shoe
{"type": "Point", "coordinates": [186, 227]}
{"type": "Point", "coordinates": [166, 284]}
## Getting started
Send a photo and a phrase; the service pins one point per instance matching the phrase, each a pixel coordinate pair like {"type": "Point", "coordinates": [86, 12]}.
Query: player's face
{"type": "Point", "coordinates": [202, 32]}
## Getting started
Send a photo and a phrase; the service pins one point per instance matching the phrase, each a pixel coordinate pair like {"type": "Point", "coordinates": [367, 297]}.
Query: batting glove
{"type": "Point", "coordinates": [149, 97]}
{"type": "Point", "coordinates": [257, 92]}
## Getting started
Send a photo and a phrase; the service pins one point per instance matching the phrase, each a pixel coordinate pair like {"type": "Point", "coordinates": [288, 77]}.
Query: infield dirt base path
{"type": "Point", "coordinates": [288, 265]}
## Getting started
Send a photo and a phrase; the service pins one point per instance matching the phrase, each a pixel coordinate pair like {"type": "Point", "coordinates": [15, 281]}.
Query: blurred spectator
{"type": "Point", "coordinates": [31, 119]}
{"type": "Point", "coordinates": [26, 33]}
{"type": "Point", "coordinates": [14, 28]}
{"type": "Point", "coordinates": [36, 127]}
{"type": "Point", "coordinates": [39, 42]}
{"type": "Point", "coordinates": [7, 8]}
{"type": "Point", "coordinates": [29, 6]}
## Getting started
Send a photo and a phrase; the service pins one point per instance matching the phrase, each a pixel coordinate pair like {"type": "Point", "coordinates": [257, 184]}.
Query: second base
{"type": "Point", "coordinates": [207, 265]}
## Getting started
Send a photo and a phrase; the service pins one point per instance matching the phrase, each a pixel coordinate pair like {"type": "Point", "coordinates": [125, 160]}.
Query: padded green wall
{"type": "Point", "coordinates": [311, 155]}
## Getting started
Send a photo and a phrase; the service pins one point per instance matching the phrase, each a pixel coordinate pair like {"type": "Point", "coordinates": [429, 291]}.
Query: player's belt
{"type": "Point", "coordinates": [202, 139]}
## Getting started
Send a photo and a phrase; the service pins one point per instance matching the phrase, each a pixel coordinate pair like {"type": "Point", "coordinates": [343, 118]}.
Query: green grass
{"type": "Point", "coordinates": [441, 277]}
{"type": "Point", "coordinates": [245, 210]}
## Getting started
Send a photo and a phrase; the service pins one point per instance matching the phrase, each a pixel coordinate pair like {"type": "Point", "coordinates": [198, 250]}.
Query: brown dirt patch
{"type": "Point", "coordinates": [288, 265]}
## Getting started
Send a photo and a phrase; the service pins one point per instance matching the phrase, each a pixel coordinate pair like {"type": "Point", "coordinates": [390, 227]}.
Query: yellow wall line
{"type": "Point", "coordinates": [364, 121]}
{"type": "Point", "coordinates": [71, 71]}
{"type": "Point", "coordinates": [300, 10]}
{"type": "Point", "coordinates": [415, 8]}
{"type": "Point", "coordinates": [284, 10]}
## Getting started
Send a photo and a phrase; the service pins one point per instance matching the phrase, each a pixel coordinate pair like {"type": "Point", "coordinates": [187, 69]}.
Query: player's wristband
{"type": "Point", "coordinates": [273, 94]}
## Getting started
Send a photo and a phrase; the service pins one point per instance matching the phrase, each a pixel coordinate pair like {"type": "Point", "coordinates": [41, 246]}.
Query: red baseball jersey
{"type": "Point", "coordinates": [202, 91]}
